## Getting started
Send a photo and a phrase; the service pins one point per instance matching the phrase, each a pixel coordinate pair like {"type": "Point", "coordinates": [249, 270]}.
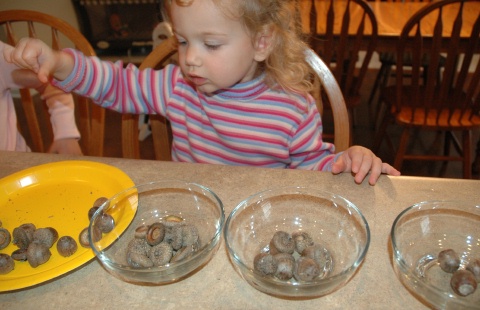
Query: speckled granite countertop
{"type": "Point", "coordinates": [217, 285]}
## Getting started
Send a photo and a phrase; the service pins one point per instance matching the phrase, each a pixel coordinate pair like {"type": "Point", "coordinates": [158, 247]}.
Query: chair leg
{"type": "Point", "coordinates": [476, 162]}
{"type": "Point", "coordinates": [402, 148]}
{"type": "Point", "coordinates": [467, 142]}
{"type": "Point", "coordinates": [380, 133]}
{"type": "Point", "coordinates": [446, 152]}
{"type": "Point", "coordinates": [380, 82]}
{"type": "Point", "coordinates": [376, 85]}
{"type": "Point", "coordinates": [384, 84]}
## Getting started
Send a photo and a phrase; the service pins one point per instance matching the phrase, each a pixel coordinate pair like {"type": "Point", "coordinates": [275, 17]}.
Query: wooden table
{"type": "Point", "coordinates": [217, 285]}
{"type": "Point", "coordinates": [391, 17]}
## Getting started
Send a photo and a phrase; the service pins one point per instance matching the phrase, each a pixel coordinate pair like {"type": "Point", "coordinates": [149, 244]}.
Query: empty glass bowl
{"type": "Point", "coordinates": [420, 233]}
{"type": "Point", "coordinates": [334, 224]}
{"type": "Point", "coordinates": [146, 204]}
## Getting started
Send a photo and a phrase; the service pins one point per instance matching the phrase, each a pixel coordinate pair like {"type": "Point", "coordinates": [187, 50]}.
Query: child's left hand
{"type": "Point", "coordinates": [361, 161]}
{"type": "Point", "coordinates": [66, 146]}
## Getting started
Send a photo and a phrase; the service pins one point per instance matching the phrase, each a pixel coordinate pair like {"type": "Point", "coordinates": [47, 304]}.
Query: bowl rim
{"type": "Point", "coordinates": [206, 248]}
{"type": "Point", "coordinates": [401, 263]}
{"type": "Point", "coordinates": [289, 284]}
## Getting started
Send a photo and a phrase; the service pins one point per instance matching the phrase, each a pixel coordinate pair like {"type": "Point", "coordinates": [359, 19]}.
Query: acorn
{"type": "Point", "coordinates": [282, 242]}
{"type": "Point", "coordinates": [37, 254]}
{"type": "Point", "coordinates": [20, 255]}
{"type": "Point", "coordinates": [449, 260]}
{"type": "Point", "coordinates": [5, 238]}
{"type": "Point", "coordinates": [47, 236]}
{"type": "Point", "coordinates": [137, 254]}
{"type": "Point", "coordinates": [302, 240]}
{"type": "Point", "coordinates": [7, 264]}
{"type": "Point", "coordinates": [474, 267]}
{"type": "Point", "coordinates": [265, 264]}
{"type": "Point", "coordinates": [66, 246]}
{"type": "Point", "coordinates": [160, 254]}
{"type": "Point", "coordinates": [285, 266]}
{"type": "Point", "coordinates": [23, 235]}
{"type": "Point", "coordinates": [306, 269]}
{"type": "Point", "coordinates": [106, 223]}
{"type": "Point", "coordinates": [155, 234]}
{"type": "Point", "coordinates": [83, 236]}
{"type": "Point", "coordinates": [463, 282]}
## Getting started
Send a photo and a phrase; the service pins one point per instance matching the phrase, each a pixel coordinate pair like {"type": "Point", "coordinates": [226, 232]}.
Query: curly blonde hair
{"type": "Point", "coordinates": [285, 66]}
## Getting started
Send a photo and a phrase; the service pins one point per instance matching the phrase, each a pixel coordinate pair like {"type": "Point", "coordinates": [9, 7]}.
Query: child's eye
{"type": "Point", "coordinates": [181, 41]}
{"type": "Point", "coordinates": [211, 46]}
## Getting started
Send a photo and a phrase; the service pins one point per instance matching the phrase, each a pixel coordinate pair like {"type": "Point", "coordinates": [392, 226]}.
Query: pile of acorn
{"type": "Point", "coordinates": [170, 240]}
{"type": "Point", "coordinates": [463, 281]}
{"type": "Point", "coordinates": [34, 243]}
{"type": "Point", "coordinates": [293, 256]}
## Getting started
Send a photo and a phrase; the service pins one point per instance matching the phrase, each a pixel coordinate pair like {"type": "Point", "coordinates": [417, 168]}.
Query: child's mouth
{"type": "Point", "coordinates": [198, 81]}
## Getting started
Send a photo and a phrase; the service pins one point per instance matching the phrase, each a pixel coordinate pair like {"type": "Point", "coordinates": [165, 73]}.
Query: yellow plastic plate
{"type": "Point", "coordinates": [56, 195]}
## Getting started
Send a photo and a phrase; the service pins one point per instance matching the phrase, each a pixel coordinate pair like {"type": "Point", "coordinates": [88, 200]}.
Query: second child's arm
{"type": "Point", "coordinates": [37, 56]}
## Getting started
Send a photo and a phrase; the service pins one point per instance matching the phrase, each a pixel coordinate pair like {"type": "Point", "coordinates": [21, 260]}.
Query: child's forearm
{"type": "Point", "coordinates": [64, 65]}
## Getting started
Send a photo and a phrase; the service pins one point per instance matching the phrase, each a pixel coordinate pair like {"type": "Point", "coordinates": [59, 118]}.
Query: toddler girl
{"type": "Point", "coordinates": [239, 95]}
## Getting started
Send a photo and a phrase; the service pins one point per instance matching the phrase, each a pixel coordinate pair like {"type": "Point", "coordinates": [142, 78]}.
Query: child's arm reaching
{"type": "Point", "coordinates": [60, 107]}
{"type": "Point", "coordinates": [360, 161]}
{"type": "Point", "coordinates": [37, 56]}
{"type": "Point", "coordinates": [62, 117]}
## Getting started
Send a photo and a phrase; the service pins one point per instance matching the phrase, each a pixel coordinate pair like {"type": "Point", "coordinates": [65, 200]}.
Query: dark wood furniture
{"type": "Point", "coordinates": [339, 31]}
{"type": "Point", "coordinates": [90, 117]}
{"type": "Point", "coordinates": [422, 101]}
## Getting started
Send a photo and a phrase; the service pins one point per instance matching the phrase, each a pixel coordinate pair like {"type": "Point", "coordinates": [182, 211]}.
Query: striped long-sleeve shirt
{"type": "Point", "coordinates": [248, 124]}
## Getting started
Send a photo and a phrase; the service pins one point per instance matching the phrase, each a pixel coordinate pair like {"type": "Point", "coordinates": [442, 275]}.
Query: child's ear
{"type": "Point", "coordinates": [263, 44]}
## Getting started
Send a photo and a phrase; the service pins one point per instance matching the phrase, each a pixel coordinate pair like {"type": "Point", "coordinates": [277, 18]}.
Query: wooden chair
{"type": "Point", "coordinates": [388, 62]}
{"type": "Point", "coordinates": [425, 102]}
{"type": "Point", "coordinates": [331, 90]}
{"type": "Point", "coordinates": [90, 117]}
{"type": "Point", "coordinates": [160, 128]}
{"type": "Point", "coordinates": [402, 0]}
{"type": "Point", "coordinates": [344, 34]}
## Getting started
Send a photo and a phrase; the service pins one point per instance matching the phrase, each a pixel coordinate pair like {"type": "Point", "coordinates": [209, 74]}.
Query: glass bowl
{"type": "Point", "coordinates": [190, 203]}
{"type": "Point", "coordinates": [334, 224]}
{"type": "Point", "coordinates": [420, 233]}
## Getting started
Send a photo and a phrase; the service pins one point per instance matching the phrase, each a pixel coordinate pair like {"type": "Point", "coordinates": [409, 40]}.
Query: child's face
{"type": "Point", "coordinates": [215, 51]}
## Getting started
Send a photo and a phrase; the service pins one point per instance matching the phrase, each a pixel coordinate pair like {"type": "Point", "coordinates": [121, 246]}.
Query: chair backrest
{"type": "Point", "coordinates": [344, 34]}
{"type": "Point", "coordinates": [456, 91]}
{"type": "Point", "coordinates": [332, 91]}
{"type": "Point", "coordinates": [160, 128]}
{"type": "Point", "coordinates": [403, 0]}
{"type": "Point", "coordinates": [90, 117]}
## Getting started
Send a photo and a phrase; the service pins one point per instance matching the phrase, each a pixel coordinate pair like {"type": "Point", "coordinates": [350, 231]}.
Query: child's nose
{"type": "Point", "coordinates": [192, 56]}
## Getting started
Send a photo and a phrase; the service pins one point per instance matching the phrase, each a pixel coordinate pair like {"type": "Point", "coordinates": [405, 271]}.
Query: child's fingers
{"type": "Point", "coordinates": [43, 75]}
{"type": "Point", "coordinates": [388, 169]}
{"type": "Point", "coordinates": [339, 166]}
{"type": "Point", "coordinates": [25, 54]}
{"type": "Point", "coordinates": [7, 53]}
{"type": "Point", "coordinates": [375, 171]}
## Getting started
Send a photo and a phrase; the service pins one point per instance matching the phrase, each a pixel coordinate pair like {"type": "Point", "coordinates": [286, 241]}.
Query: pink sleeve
{"type": "Point", "coordinates": [62, 112]}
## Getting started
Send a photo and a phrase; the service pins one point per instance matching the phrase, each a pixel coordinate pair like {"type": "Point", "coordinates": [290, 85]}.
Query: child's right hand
{"type": "Point", "coordinates": [37, 56]}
